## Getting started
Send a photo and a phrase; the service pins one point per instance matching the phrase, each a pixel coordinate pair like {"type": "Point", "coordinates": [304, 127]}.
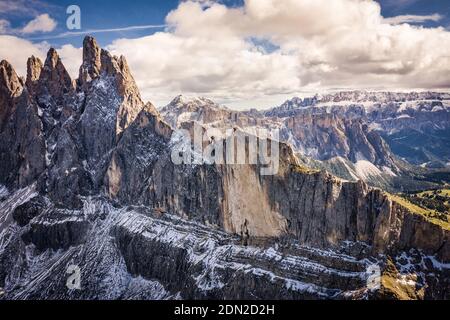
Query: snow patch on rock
{"type": "Point", "coordinates": [366, 169]}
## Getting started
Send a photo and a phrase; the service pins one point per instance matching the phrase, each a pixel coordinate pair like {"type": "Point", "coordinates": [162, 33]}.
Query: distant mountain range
{"type": "Point", "coordinates": [391, 140]}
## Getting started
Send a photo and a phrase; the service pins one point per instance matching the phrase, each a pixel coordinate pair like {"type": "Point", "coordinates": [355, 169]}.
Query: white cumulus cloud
{"type": "Point", "coordinates": [42, 23]}
{"type": "Point", "coordinates": [17, 51]}
{"type": "Point", "coordinates": [413, 19]}
{"type": "Point", "coordinates": [320, 44]}
{"type": "Point", "coordinates": [268, 50]}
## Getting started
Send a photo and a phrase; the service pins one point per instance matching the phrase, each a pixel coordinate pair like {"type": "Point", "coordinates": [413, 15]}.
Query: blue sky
{"type": "Point", "coordinates": [106, 14]}
{"type": "Point", "coordinates": [98, 14]}
{"type": "Point", "coordinates": [258, 56]}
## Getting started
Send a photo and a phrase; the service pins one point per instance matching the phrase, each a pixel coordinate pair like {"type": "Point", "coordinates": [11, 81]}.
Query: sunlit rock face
{"type": "Point", "coordinates": [87, 180]}
{"type": "Point", "coordinates": [389, 140]}
{"type": "Point", "coordinates": [414, 125]}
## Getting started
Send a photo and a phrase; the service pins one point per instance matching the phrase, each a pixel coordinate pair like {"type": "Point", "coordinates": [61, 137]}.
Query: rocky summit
{"type": "Point", "coordinates": [92, 207]}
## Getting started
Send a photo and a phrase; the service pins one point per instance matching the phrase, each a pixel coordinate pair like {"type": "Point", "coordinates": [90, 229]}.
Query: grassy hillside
{"type": "Point", "coordinates": [433, 204]}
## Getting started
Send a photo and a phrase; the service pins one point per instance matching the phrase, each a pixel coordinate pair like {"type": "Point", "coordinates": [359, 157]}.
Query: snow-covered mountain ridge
{"type": "Point", "coordinates": [389, 134]}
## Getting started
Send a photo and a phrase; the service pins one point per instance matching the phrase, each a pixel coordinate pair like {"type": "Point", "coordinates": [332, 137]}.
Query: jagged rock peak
{"type": "Point", "coordinates": [124, 65]}
{"type": "Point", "coordinates": [150, 108]}
{"type": "Point", "coordinates": [98, 61]}
{"type": "Point", "coordinates": [52, 58]}
{"type": "Point", "coordinates": [112, 65]}
{"type": "Point", "coordinates": [108, 63]}
{"type": "Point", "coordinates": [10, 87]}
{"type": "Point", "coordinates": [34, 69]}
{"type": "Point", "coordinates": [54, 78]}
{"type": "Point", "coordinates": [182, 101]}
{"type": "Point", "coordinates": [10, 83]}
{"type": "Point", "coordinates": [178, 100]}
{"type": "Point", "coordinates": [91, 59]}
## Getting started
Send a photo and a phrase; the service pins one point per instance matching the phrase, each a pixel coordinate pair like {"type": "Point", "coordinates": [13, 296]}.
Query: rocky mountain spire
{"type": "Point", "coordinates": [98, 63]}
{"type": "Point", "coordinates": [10, 88]}
{"type": "Point", "coordinates": [22, 142]}
{"type": "Point", "coordinates": [34, 69]}
{"type": "Point", "coordinates": [54, 78]}
{"type": "Point", "coordinates": [111, 103]}
{"type": "Point", "coordinates": [127, 88]}
{"type": "Point", "coordinates": [109, 64]}
{"type": "Point", "coordinates": [127, 82]}
{"type": "Point", "coordinates": [118, 68]}
{"type": "Point", "coordinates": [9, 80]}
{"type": "Point", "coordinates": [91, 67]}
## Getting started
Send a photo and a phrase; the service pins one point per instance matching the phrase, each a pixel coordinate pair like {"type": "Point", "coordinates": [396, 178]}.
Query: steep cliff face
{"type": "Point", "coordinates": [89, 180]}
{"type": "Point", "coordinates": [134, 252]}
{"type": "Point", "coordinates": [22, 147]}
{"type": "Point", "coordinates": [34, 69]}
{"type": "Point", "coordinates": [10, 88]}
{"type": "Point", "coordinates": [312, 206]}
{"type": "Point", "coordinates": [379, 137]}
{"type": "Point", "coordinates": [141, 147]}
{"type": "Point", "coordinates": [326, 136]}
{"type": "Point", "coordinates": [341, 142]}
{"type": "Point", "coordinates": [415, 125]}
{"type": "Point", "coordinates": [399, 228]}
{"type": "Point", "coordinates": [111, 103]}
